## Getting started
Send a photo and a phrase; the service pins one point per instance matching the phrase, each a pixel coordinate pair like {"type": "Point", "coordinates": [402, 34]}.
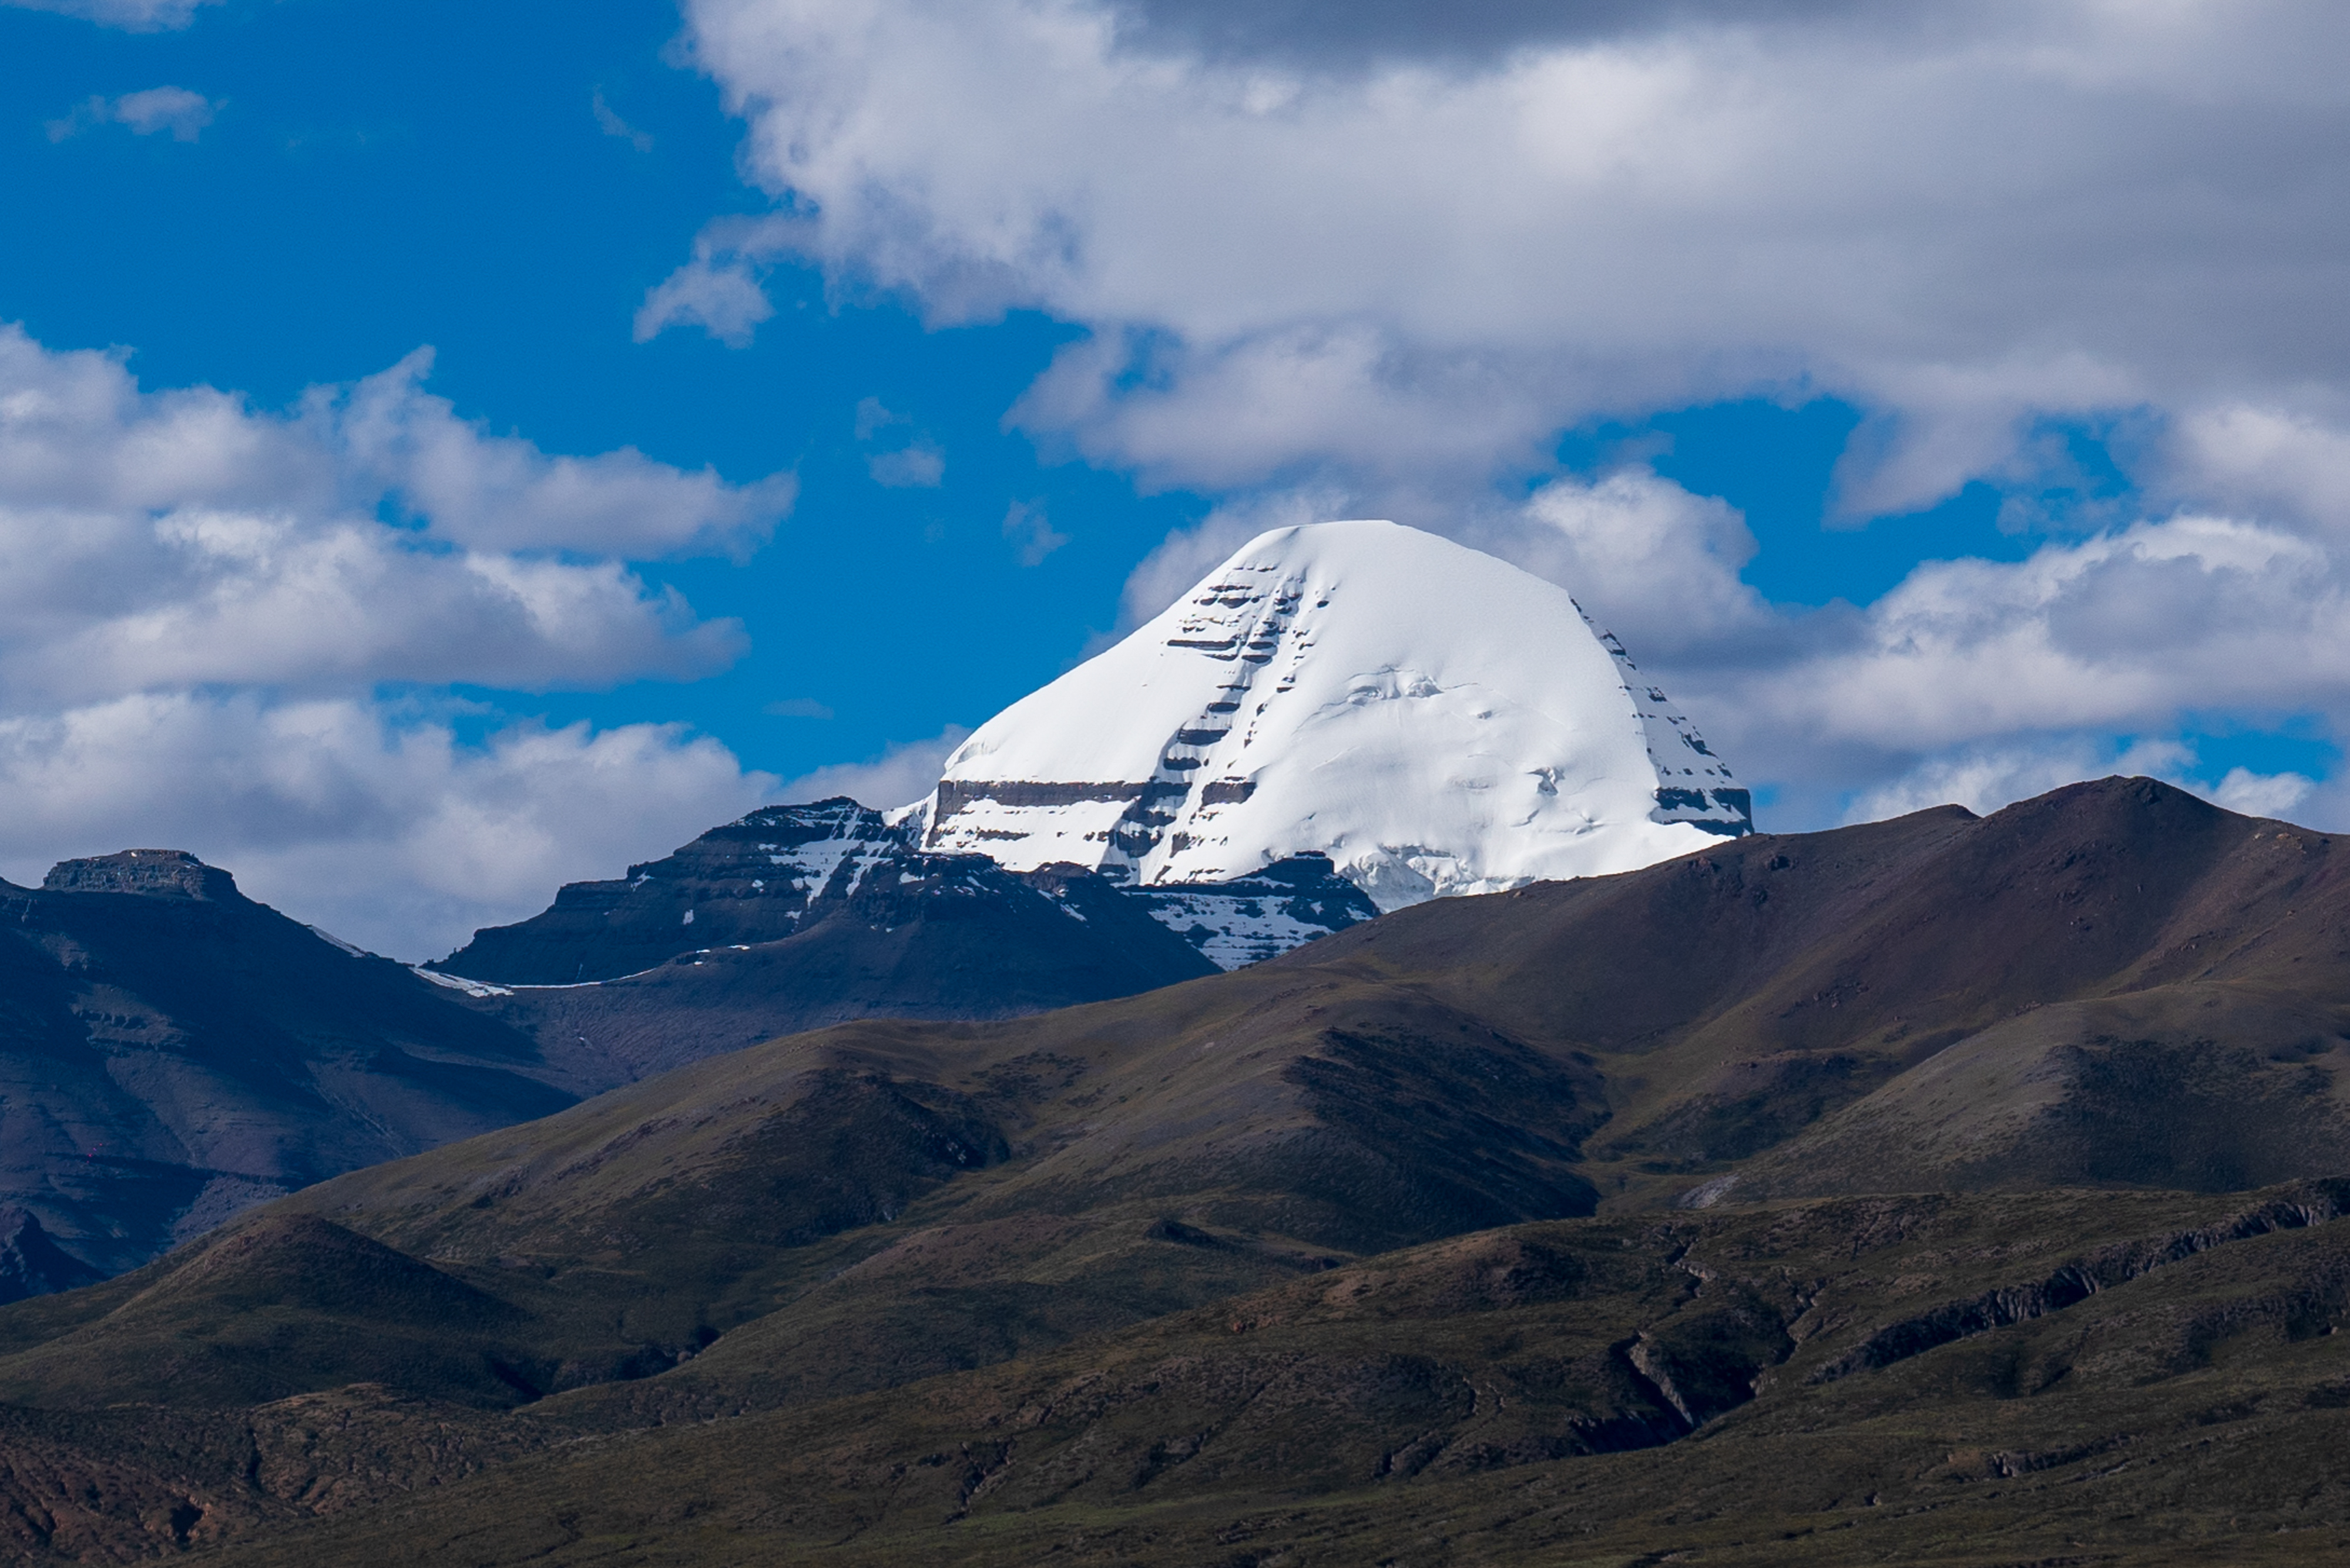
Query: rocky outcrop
{"type": "Point", "coordinates": [750, 881]}
{"type": "Point", "coordinates": [781, 872]}
{"type": "Point", "coordinates": [1250, 919]}
{"type": "Point", "coordinates": [31, 1264]}
{"type": "Point", "coordinates": [171, 1053]}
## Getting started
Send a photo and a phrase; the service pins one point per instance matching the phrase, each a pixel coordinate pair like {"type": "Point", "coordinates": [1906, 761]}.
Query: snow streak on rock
{"type": "Point", "coordinates": [1432, 719]}
{"type": "Point", "coordinates": [1250, 918]}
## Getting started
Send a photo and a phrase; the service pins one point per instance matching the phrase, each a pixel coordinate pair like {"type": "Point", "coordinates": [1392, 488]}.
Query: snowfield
{"type": "Point", "coordinates": [1436, 720]}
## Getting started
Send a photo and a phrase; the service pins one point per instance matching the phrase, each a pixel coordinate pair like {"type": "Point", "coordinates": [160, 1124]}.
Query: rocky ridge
{"type": "Point", "coordinates": [786, 870]}
{"type": "Point", "coordinates": [173, 1053]}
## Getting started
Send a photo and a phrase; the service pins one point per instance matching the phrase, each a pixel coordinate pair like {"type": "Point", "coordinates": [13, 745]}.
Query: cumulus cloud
{"type": "Point", "coordinates": [176, 110]}
{"type": "Point", "coordinates": [2125, 630]}
{"type": "Point", "coordinates": [132, 15]}
{"type": "Point", "coordinates": [200, 605]}
{"type": "Point", "coordinates": [920, 465]}
{"type": "Point", "coordinates": [178, 538]}
{"type": "Point", "coordinates": [911, 458]}
{"type": "Point", "coordinates": [1645, 559]}
{"type": "Point", "coordinates": [490, 491]}
{"type": "Point", "coordinates": [2263, 795]}
{"type": "Point", "coordinates": [1964, 221]}
{"type": "Point", "coordinates": [379, 827]}
{"type": "Point", "coordinates": [1981, 682]}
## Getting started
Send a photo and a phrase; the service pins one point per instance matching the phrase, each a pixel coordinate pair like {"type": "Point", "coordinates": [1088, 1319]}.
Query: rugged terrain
{"type": "Point", "coordinates": [172, 1051]}
{"type": "Point", "coordinates": [802, 915]}
{"type": "Point", "coordinates": [1950, 1189]}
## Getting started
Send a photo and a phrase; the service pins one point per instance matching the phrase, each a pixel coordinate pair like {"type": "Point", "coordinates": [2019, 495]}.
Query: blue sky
{"type": "Point", "coordinates": [1016, 352]}
{"type": "Point", "coordinates": [380, 177]}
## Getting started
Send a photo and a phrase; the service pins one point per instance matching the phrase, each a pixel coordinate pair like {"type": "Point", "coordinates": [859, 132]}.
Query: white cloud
{"type": "Point", "coordinates": [921, 465]}
{"type": "Point", "coordinates": [1646, 559]}
{"type": "Point", "coordinates": [499, 493]}
{"type": "Point", "coordinates": [379, 827]}
{"type": "Point", "coordinates": [611, 124]}
{"type": "Point", "coordinates": [2268, 460]}
{"type": "Point", "coordinates": [132, 15]}
{"type": "Point", "coordinates": [2122, 630]}
{"type": "Point", "coordinates": [2263, 795]}
{"type": "Point", "coordinates": [176, 110]}
{"type": "Point", "coordinates": [723, 298]}
{"type": "Point", "coordinates": [99, 606]}
{"type": "Point", "coordinates": [166, 540]}
{"type": "Point", "coordinates": [200, 605]}
{"type": "Point", "coordinates": [913, 461]}
{"type": "Point", "coordinates": [1962, 217]}
{"type": "Point", "coordinates": [903, 774]}
{"type": "Point", "coordinates": [1030, 531]}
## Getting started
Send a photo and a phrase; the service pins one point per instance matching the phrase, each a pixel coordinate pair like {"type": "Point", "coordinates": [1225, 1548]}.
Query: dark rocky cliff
{"type": "Point", "coordinates": [172, 1051]}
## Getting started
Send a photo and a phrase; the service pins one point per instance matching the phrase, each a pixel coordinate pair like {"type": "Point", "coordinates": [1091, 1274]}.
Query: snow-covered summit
{"type": "Point", "coordinates": [1434, 719]}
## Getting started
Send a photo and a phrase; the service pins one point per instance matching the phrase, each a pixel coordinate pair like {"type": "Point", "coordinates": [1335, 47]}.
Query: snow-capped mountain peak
{"type": "Point", "coordinates": [1434, 719]}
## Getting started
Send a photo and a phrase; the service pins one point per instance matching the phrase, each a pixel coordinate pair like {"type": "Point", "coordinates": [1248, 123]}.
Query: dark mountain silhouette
{"type": "Point", "coordinates": [172, 1051]}
{"type": "Point", "coordinates": [31, 1264]}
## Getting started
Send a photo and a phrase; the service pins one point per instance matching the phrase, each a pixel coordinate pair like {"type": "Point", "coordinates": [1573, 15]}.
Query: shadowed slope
{"type": "Point", "coordinates": [886, 1199]}
{"type": "Point", "coordinates": [172, 1051]}
{"type": "Point", "coordinates": [2112, 987]}
{"type": "Point", "coordinates": [923, 936]}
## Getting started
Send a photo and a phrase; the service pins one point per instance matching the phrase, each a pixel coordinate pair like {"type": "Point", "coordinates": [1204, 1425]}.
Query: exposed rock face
{"type": "Point", "coordinates": [749, 881]}
{"type": "Point", "coordinates": [31, 1264]}
{"type": "Point", "coordinates": [1433, 719]}
{"type": "Point", "coordinates": [800, 917]}
{"type": "Point", "coordinates": [1250, 919]}
{"type": "Point", "coordinates": [156, 873]}
{"type": "Point", "coordinates": [783, 871]}
{"type": "Point", "coordinates": [173, 1053]}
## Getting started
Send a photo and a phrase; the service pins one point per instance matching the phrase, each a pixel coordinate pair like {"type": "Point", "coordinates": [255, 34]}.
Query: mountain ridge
{"type": "Point", "coordinates": [172, 1051]}
{"type": "Point", "coordinates": [1429, 1214]}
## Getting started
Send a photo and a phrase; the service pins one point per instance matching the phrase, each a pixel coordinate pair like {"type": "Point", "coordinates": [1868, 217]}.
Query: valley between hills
{"type": "Point", "coordinates": [1945, 1189]}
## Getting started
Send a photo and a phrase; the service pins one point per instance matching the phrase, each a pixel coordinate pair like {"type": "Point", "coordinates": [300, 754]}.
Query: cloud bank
{"type": "Point", "coordinates": [207, 614]}
{"type": "Point", "coordinates": [1379, 257]}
